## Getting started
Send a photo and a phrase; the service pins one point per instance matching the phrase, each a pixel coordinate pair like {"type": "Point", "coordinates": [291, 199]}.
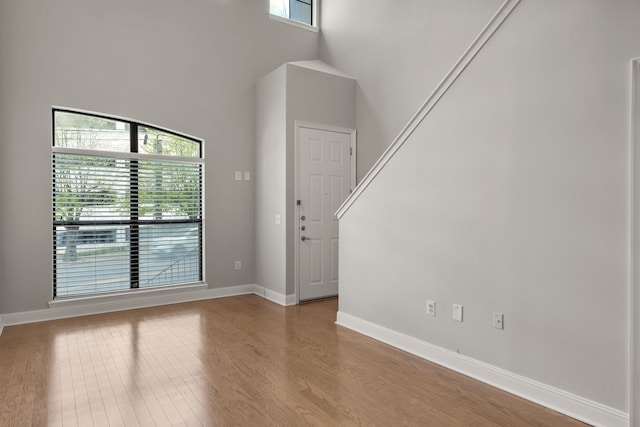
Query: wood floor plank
{"type": "Point", "coordinates": [235, 361]}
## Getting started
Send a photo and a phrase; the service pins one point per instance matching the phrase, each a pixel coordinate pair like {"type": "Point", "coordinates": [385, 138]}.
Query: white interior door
{"type": "Point", "coordinates": [325, 180]}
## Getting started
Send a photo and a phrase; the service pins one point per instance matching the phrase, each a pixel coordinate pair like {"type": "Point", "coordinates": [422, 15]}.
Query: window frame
{"type": "Point", "coordinates": [313, 27]}
{"type": "Point", "coordinates": [133, 155]}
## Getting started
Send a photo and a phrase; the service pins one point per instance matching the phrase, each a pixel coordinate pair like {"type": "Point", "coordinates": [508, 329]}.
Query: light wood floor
{"type": "Point", "coordinates": [240, 361]}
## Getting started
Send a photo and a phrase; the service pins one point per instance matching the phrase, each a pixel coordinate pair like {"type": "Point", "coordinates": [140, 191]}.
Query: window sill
{"type": "Point", "coordinates": [120, 297]}
{"type": "Point", "coordinates": [294, 23]}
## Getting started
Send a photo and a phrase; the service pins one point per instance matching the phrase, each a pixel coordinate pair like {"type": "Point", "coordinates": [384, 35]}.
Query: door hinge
{"type": "Point", "coordinates": [298, 202]}
{"type": "Point", "coordinates": [351, 151]}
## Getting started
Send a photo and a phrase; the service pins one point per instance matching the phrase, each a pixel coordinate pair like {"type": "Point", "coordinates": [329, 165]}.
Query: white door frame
{"type": "Point", "coordinates": [317, 126]}
{"type": "Point", "coordinates": [634, 285]}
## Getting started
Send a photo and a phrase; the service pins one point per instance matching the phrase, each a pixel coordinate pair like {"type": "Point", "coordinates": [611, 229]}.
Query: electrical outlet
{"type": "Point", "coordinates": [238, 265]}
{"type": "Point", "coordinates": [238, 176]}
{"type": "Point", "coordinates": [498, 320]}
{"type": "Point", "coordinates": [431, 308]}
{"type": "Point", "coordinates": [247, 176]}
{"type": "Point", "coordinates": [457, 312]}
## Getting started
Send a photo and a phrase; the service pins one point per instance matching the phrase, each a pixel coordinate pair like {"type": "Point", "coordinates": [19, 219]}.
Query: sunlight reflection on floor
{"type": "Point", "coordinates": [128, 373]}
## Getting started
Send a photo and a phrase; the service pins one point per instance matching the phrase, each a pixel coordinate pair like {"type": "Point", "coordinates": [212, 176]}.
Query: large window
{"type": "Point", "coordinates": [303, 11]}
{"type": "Point", "coordinates": [127, 205]}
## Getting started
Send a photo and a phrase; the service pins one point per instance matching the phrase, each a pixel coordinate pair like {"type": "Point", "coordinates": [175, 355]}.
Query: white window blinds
{"type": "Point", "coordinates": [124, 220]}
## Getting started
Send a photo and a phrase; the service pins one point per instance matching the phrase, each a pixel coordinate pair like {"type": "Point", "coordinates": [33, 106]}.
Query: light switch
{"type": "Point", "coordinates": [238, 176]}
{"type": "Point", "coordinates": [498, 320]}
{"type": "Point", "coordinates": [277, 219]}
{"type": "Point", "coordinates": [457, 312]}
{"type": "Point", "coordinates": [247, 176]}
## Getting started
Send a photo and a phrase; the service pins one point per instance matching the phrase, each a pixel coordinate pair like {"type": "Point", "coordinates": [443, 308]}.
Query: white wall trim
{"type": "Point", "coordinates": [433, 99]}
{"type": "Point", "coordinates": [273, 296]}
{"type": "Point", "coordinates": [634, 248]}
{"type": "Point", "coordinates": [559, 400]}
{"type": "Point", "coordinates": [63, 309]}
{"type": "Point", "coordinates": [108, 306]}
{"type": "Point", "coordinates": [297, 24]}
{"type": "Point", "coordinates": [124, 296]}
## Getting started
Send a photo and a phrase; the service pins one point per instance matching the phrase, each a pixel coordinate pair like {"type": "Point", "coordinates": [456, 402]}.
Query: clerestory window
{"type": "Point", "coordinates": [295, 12]}
{"type": "Point", "coordinates": [127, 205]}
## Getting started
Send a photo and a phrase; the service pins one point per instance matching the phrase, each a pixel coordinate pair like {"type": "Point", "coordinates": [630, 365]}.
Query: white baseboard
{"type": "Point", "coordinates": [277, 297]}
{"type": "Point", "coordinates": [62, 309]}
{"type": "Point", "coordinates": [561, 401]}
{"type": "Point", "coordinates": [70, 308]}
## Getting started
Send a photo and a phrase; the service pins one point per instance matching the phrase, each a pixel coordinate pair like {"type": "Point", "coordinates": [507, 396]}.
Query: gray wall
{"type": "Point", "coordinates": [512, 196]}
{"type": "Point", "coordinates": [397, 52]}
{"type": "Point", "coordinates": [636, 243]}
{"type": "Point", "coordinates": [312, 92]}
{"type": "Point", "coordinates": [188, 66]}
{"type": "Point", "coordinates": [1, 192]}
{"type": "Point", "coordinates": [271, 180]}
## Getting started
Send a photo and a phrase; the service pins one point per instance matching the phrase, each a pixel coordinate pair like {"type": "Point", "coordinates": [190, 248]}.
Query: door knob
{"type": "Point", "coordinates": [303, 228]}
{"type": "Point", "coordinates": [302, 217]}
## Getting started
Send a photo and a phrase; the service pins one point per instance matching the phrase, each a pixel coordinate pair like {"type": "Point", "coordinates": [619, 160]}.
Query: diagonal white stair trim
{"type": "Point", "coordinates": [487, 32]}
